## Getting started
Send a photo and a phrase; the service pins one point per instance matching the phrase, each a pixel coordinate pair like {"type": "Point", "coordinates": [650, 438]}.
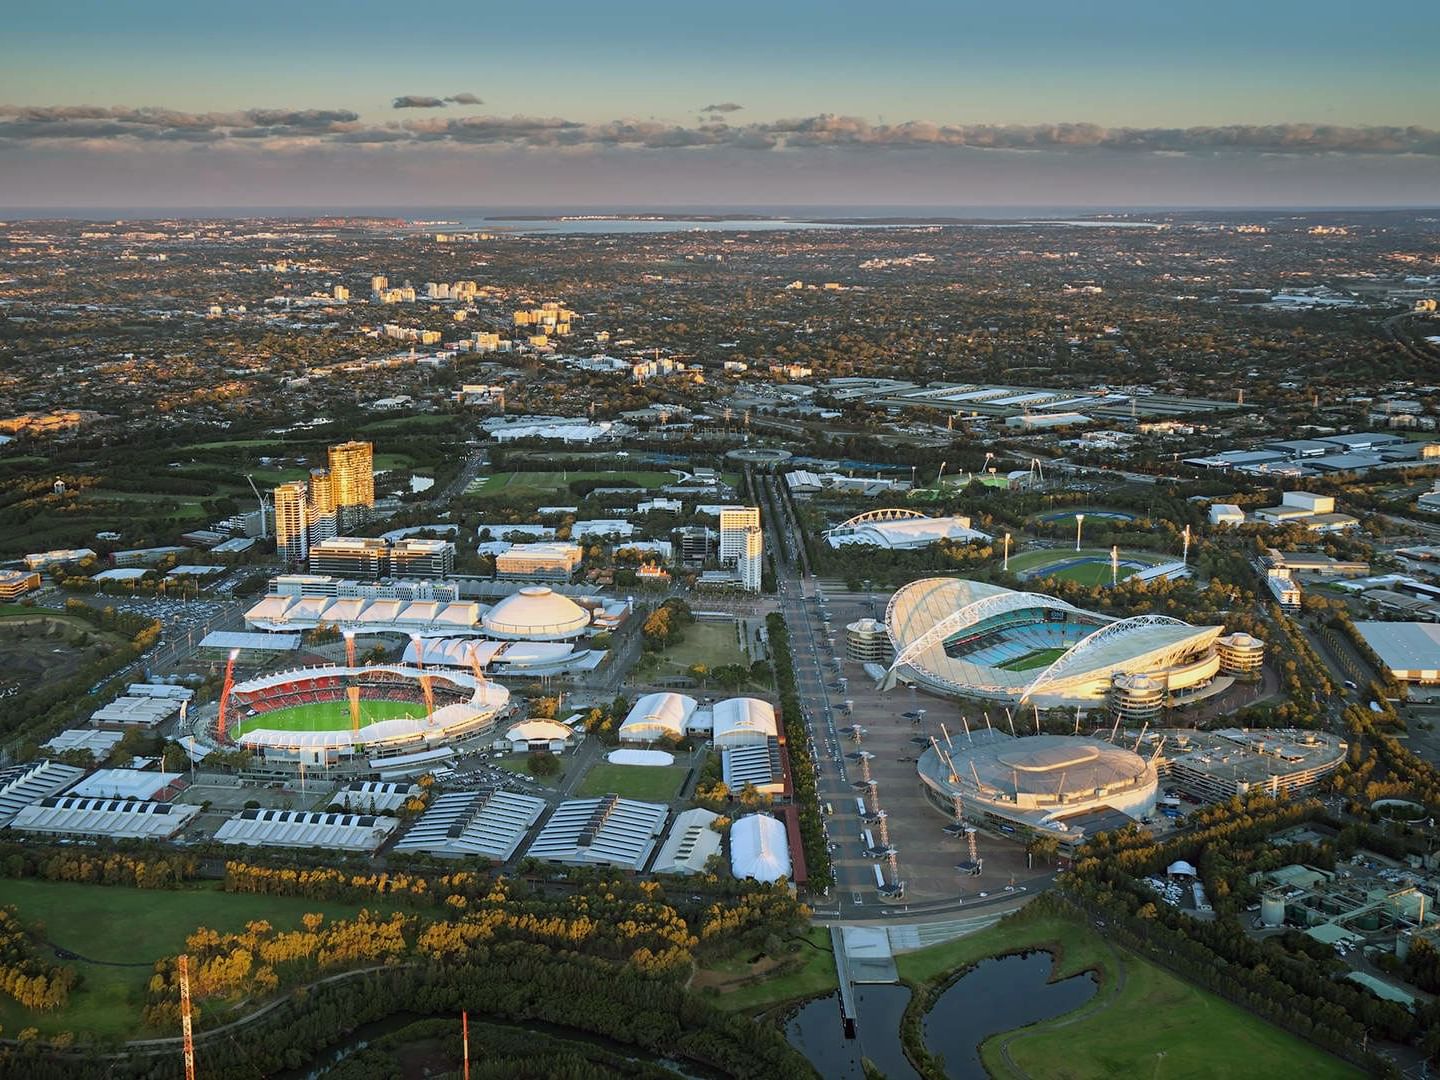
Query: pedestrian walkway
{"type": "Point", "coordinates": [912, 936]}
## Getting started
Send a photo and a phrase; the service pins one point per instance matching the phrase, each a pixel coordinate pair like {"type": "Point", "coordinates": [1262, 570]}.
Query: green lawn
{"type": "Point", "coordinates": [1097, 572]}
{"type": "Point", "coordinates": [1037, 659]}
{"type": "Point", "coordinates": [327, 716]}
{"type": "Point", "coordinates": [132, 926]}
{"type": "Point", "coordinates": [1123, 1029]}
{"type": "Point", "coordinates": [516, 763]}
{"type": "Point", "coordinates": [521, 484]}
{"type": "Point", "coordinates": [817, 976]}
{"type": "Point", "coordinates": [650, 783]}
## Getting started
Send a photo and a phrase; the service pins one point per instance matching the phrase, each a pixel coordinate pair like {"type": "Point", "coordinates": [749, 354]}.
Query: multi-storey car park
{"type": "Point", "coordinates": [1213, 766]}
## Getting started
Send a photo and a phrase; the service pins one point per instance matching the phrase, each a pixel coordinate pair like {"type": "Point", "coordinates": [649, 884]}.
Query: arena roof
{"type": "Point", "coordinates": [608, 831]}
{"type": "Point", "coordinates": [21, 785]}
{"type": "Point", "coordinates": [744, 721]}
{"type": "Point", "coordinates": [305, 829]}
{"type": "Point", "coordinates": [656, 716]}
{"type": "Point", "coordinates": [119, 819]}
{"type": "Point", "coordinates": [467, 824]}
{"type": "Point", "coordinates": [690, 844]}
{"type": "Point", "coordinates": [759, 848]}
{"type": "Point", "coordinates": [536, 613]}
{"type": "Point", "coordinates": [1039, 780]}
{"type": "Point", "coordinates": [926, 614]}
{"type": "Point", "coordinates": [902, 533]}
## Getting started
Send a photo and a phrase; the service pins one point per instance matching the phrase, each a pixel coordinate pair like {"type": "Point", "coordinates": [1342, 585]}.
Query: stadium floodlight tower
{"type": "Point", "coordinates": [1185, 555]}
{"type": "Point", "coordinates": [221, 727]}
{"type": "Point", "coordinates": [1079, 524]}
{"type": "Point", "coordinates": [1006, 564]}
{"type": "Point", "coordinates": [1114, 565]}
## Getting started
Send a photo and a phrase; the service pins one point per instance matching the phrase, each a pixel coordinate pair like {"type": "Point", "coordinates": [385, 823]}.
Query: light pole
{"type": "Point", "coordinates": [1079, 523]}
{"type": "Point", "coordinates": [1006, 564]}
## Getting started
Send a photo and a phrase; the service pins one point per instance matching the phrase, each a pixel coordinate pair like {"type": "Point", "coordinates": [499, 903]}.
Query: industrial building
{"type": "Point", "coordinates": [112, 819]}
{"type": "Point", "coordinates": [99, 744]}
{"type": "Point", "coordinates": [690, 844]}
{"type": "Point", "coordinates": [22, 785]}
{"type": "Point", "coordinates": [473, 824]}
{"type": "Point", "coordinates": [137, 711]}
{"type": "Point", "coordinates": [1409, 650]}
{"type": "Point", "coordinates": [605, 831]}
{"type": "Point", "coordinates": [760, 766]}
{"type": "Point", "coordinates": [980, 640]}
{"type": "Point", "coordinates": [306, 829]}
{"type": "Point", "coordinates": [1217, 765]}
{"type": "Point", "coordinates": [1066, 787]}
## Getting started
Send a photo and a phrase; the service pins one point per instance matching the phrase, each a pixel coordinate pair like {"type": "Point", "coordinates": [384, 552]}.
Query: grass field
{"type": "Point", "coordinates": [327, 716]}
{"type": "Point", "coordinates": [529, 484]}
{"type": "Point", "coordinates": [1143, 1022]}
{"type": "Point", "coordinates": [1094, 571]}
{"type": "Point", "coordinates": [132, 926]}
{"type": "Point", "coordinates": [1067, 517]}
{"type": "Point", "coordinates": [650, 783]}
{"type": "Point", "coordinates": [1037, 659]}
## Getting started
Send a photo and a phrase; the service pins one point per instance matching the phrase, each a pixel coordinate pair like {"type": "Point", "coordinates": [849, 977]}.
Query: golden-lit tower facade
{"type": "Point", "coordinates": [292, 521]}
{"type": "Point", "coordinates": [352, 479]}
{"type": "Point", "coordinates": [323, 523]}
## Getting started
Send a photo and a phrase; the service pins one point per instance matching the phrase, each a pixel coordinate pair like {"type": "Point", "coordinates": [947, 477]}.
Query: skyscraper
{"type": "Point", "coordinates": [352, 479]}
{"type": "Point", "coordinates": [734, 520]}
{"type": "Point", "coordinates": [292, 521]}
{"type": "Point", "coordinates": [323, 523]}
{"type": "Point", "coordinates": [751, 564]}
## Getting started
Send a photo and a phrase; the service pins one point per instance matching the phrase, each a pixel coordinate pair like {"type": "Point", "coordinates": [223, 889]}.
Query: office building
{"type": "Point", "coordinates": [16, 583]}
{"type": "Point", "coordinates": [413, 557]}
{"type": "Point", "coordinates": [750, 565]}
{"type": "Point", "coordinates": [292, 521]}
{"type": "Point", "coordinates": [538, 562]}
{"type": "Point", "coordinates": [351, 557]}
{"type": "Point", "coordinates": [352, 478]}
{"type": "Point", "coordinates": [734, 520]}
{"type": "Point", "coordinates": [694, 541]}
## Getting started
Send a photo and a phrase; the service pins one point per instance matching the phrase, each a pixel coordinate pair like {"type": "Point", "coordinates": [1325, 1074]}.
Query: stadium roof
{"type": "Point", "coordinates": [690, 844]}
{"type": "Point", "coordinates": [903, 533]}
{"type": "Point", "coordinates": [655, 716]}
{"type": "Point", "coordinates": [468, 824]}
{"type": "Point", "coordinates": [119, 819]}
{"type": "Point", "coordinates": [21, 785]}
{"type": "Point", "coordinates": [305, 829]}
{"type": "Point", "coordinates": [608, 831]}
{"type": "Point", "coordinates": [536, 613]}
{"type": "Point", "coordinates": [743, 721]}
{"type": "Point", "coordinates": [759, 848]}
{"type": "Point", "coordinates": [926, 614]}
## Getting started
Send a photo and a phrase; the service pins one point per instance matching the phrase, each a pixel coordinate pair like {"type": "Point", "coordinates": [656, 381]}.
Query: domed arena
{"type": "Point", "coordinates": [1057, 785]}
{"type": "Point", "coordinates": [535, 613]}
{"type": "Point", "coordinates": [979, 640]}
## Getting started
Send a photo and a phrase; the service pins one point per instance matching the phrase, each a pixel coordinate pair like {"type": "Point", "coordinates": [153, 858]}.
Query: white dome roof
{"type": "Point", "coordinates": [536, 613]}
{"type": "Point", "coordinates": [759, 848]}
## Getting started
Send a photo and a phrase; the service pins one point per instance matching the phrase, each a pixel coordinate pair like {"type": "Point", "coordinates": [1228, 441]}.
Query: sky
{"type": "Point", "coordinates": [639, 104]}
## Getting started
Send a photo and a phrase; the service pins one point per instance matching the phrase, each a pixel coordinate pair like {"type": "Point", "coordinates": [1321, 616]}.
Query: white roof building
{"type": "Point", "coordinates": [21, 785]}
{"type": "Point", "coordinates": [759, 848]}
{"type": "Point", "coordinates": [116, 819]}
{"type": "Point", "coordinates": [473, 824]}
{"type": "Point", "coordinates": [306, 829]}
{"type": "Point", "coordinates": [744, 722]}
{"type": "Point", "coordinates": [690, 844]}
{"type": "Point", "coordinates": [97, 743]}
{"type": "Point", "coordinates": [608, 831]}
{"type": "Point", "coordinates": [126, 784]}
{"type": "Point", "coordinates": [536, 613]}
{"type": "Point", "coordinates": [902, 530]}
{"type": "Point", "coordinates": [374, 796]}
{"type": "Point", "coordinates": [657, 716]}
{"type": "Point", "coordinates": [138, 711]}
{"type": "Point", "coordinates": [539, 734]}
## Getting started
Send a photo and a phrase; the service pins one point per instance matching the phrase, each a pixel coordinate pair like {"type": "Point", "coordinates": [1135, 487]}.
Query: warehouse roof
{"type": "Point", "coordinates": [690, 844]}
{"type": "Point", "coordinates": [304, 828]}
{"type": "Point", "coordinates": [608, 831]}
{"type": "Point", "coordinates": [21, 785]}
{"type": "Point", "coordinates": [133, 819]}
{"type": "Point", "coordinates": [488, 824]}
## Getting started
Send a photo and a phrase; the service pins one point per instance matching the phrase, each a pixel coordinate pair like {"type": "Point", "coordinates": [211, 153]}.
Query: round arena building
{"type": "Point", "coordinates": [1053, 785]}
{"type": "Point", "coordinates": [535, 613]}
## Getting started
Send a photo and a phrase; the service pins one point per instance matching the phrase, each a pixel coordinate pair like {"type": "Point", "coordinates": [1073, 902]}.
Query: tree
{"type": "Point", "coordinates": [542, 763]}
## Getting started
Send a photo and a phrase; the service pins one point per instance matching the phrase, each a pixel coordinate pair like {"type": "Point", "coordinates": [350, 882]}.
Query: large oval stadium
{"type": "Point", "coordinates": [356, 718]}
{"type": "Point", "coordinates": [979, 640]}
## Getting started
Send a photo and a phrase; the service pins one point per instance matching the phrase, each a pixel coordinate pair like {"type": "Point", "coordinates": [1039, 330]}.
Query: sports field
{"type": "Point", "coordinates": [1086, 567]}
{"type": "Point", "coordinates": [327, 716]}
{"type": "Point", "coordinates": [1067, 517]}
{"type": "Point", "coordinates": [1037, 659]}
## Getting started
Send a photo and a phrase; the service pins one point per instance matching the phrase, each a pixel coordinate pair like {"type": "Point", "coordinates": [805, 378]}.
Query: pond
{"type": "Point", "coordinates": [817, 1032]}
{"type": "Point", "coordinates": [999, 994]}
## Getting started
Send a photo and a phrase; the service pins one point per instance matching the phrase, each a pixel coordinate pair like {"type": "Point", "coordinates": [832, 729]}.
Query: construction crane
{"type": "Point", "coordinates": [264, 533]}
{"type": "Point", "coordinates": [188, 1032]}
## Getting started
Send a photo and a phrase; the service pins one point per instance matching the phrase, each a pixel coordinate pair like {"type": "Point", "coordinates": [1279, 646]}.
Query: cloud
{"type": "Point", "coordinates": [464, 99]}
{"type": "Point", "coordinates": [723, 107]}
{"type": "Point", "coordinates": [271, 128]}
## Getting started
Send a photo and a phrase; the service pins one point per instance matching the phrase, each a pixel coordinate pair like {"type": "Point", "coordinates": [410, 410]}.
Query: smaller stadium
{"type": "Point", "coordinates": [1067, 517]}
{"type": "Point", "coordinates": [1094, 567]}
{"type": "Point", "coordinates": [355, 719]}
{"type": "Point", "coordinates": [1062, 786]}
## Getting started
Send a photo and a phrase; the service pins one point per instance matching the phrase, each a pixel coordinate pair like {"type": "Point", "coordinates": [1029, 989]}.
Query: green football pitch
{"type": "Point", "coordinates": [327, 716]}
